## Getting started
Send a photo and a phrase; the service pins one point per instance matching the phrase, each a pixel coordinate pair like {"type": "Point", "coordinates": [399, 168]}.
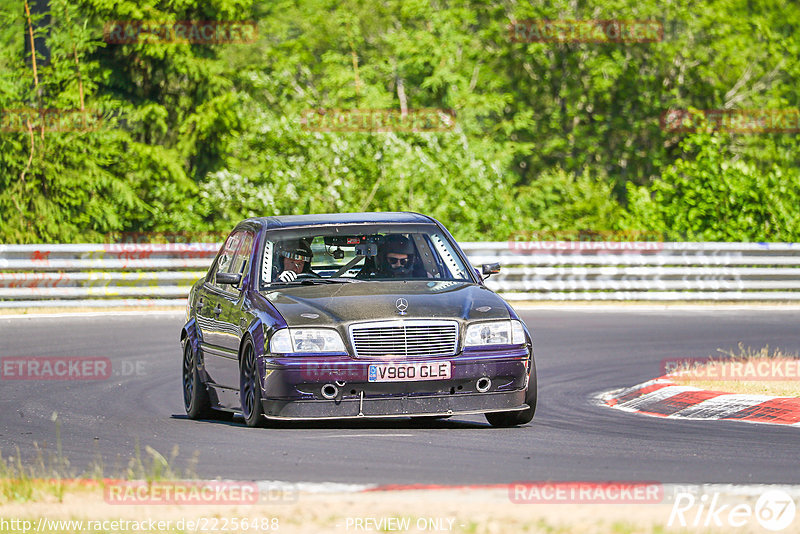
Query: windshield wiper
{"type": "Point", "coordinates": [331, 280]}
{"type": "Point", "coordinates": [314, 281]}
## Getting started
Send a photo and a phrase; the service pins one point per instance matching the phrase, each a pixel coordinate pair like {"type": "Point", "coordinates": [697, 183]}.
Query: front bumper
{"type": "Point", "coordinates": [395, 406]}
{"type": "Point", "coordinates": [292, 388]}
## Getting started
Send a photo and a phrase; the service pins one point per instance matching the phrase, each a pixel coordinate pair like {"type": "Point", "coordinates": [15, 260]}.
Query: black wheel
{"type": "Point", "coordinates": [249, 389]}
{"type": "Point", "coordinates": [195, 395]}
{"type": "Point", "coordinates": [506, 419]}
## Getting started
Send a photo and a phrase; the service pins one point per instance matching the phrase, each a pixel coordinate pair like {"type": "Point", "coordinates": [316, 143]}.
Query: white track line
{"type": "Point", "coordinates": [654, 396]}
{"type": "Point", "coordinates": [722, 406]}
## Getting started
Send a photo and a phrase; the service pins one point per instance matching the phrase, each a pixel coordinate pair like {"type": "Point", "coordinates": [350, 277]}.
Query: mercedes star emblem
{"type": "Point", "coordinates": [402, 305]}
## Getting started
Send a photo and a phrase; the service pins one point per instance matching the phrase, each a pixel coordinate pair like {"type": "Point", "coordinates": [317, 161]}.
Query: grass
{"type": "Point", "coordinates": [48, 475]}
{"type": "Point", "coordinates": [745, 371]}
{"type": "Point", "coordinates": [772, 389]}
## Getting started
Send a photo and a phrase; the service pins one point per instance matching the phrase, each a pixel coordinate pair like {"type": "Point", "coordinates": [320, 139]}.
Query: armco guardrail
{"type": "Point", "coordinates": [657, 271]}
{"type": "Point", "coordinates": [140, 274]}
{"type": "Point", "coordinates": [161, 274]}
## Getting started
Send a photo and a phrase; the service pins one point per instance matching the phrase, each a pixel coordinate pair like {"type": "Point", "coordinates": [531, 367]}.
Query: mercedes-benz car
{"type": "Point", "coordinates": [355, 315]}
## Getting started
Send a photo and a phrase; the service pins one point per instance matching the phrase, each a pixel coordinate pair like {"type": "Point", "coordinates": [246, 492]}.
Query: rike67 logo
{"type": "Point", "coordinates": [774, 510]}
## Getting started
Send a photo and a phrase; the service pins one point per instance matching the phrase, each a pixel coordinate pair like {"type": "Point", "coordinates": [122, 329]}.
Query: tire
{"type": "Point", "coordinates": [507, 419]}
{"type": "Point", "coordinates": [195, 395]}
{"type": "Point", "coordinates": [249, 388]}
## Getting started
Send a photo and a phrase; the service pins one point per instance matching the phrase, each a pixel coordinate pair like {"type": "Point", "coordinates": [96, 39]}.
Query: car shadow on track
{"type": "Point", "coordinates": [341, 424]}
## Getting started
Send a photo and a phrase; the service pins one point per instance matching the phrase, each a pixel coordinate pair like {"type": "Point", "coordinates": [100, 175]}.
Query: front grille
{"type": "Point", "coordinates": [413, 337]}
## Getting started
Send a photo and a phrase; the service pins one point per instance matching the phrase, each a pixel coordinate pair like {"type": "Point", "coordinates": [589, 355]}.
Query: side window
{"type": "Point", "coordinates": [448, 259]}
{"type": "Point", "coordinates": [242, 256]}
{"type": "Point", "coordinates": [226, 260]}
{"type": "Point", "coordinates": [266, 263]}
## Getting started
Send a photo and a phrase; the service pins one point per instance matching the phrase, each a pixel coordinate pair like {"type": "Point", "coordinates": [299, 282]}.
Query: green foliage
{"type": "Point", "coordinates": [165, 109]}
{"type": "Point", "coordinates": [558, 200]}
{"type": "Point", "coordinates": [57, 184]}
{"type": "Point", "coordinates": [709, 195]}
{"type": "Point", "coordinates": [548, 136]}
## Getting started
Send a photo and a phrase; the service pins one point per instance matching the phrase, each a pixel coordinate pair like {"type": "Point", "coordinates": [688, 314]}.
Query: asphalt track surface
{"type": "Point", "coordinates": [578, 354]}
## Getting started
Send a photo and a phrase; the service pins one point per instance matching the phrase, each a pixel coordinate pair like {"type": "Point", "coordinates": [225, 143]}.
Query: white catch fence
{"type": "Point", "coordinates": [161, 274]}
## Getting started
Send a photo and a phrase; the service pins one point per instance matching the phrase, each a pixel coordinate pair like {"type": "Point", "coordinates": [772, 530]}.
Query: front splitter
{"type": "Point", "coordinates": [394, 406]}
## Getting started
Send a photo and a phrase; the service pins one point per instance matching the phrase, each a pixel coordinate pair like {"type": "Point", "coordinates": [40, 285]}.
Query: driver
{"type": "Point", "coordinates": [295, 258]}
{"type": "Point", "coordinates": [398, 257]}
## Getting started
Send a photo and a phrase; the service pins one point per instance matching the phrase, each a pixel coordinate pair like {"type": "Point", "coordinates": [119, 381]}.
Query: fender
{"type": "Point", "coordinates": [190, 333]}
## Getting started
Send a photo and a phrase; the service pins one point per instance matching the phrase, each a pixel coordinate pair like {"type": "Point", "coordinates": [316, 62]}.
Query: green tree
{"type": "Point", "coordinates": [708, 195]}
{"type": "Point", "coordinates": [548, 135]}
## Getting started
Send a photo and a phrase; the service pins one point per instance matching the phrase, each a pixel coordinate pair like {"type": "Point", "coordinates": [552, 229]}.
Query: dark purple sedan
{"type": "Point", "coordinates": [352, 315]}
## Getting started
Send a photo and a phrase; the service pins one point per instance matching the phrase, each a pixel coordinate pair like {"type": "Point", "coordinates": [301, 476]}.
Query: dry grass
{"type": "Point", "coordinates": [772, 389]}
{"type": "Point", "coordinates": [451, 511]}
{"type": "Point", "coordinates": [455, 511]}
{"type": "Point", "coordinates": [746, 371]}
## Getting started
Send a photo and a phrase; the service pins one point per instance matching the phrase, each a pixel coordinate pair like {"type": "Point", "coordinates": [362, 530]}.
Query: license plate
{"type": "Point", "coordinates": [402, 372]}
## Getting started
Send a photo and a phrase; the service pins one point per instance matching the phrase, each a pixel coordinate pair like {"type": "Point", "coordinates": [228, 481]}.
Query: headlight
{"type": "Point", "coordinates": [290, 340]}
{"type": "Point", "coordinates": [495, 333]}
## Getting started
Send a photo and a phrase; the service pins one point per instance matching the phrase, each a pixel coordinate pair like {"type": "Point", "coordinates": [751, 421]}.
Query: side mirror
{"type": "Point", "coordinates": [488, 269]}
{"type": "Point", "coordinates": [229, 278]}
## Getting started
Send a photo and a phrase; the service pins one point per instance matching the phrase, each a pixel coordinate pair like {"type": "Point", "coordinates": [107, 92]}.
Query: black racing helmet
{"type": "Point", "coordinates": [398, 244]}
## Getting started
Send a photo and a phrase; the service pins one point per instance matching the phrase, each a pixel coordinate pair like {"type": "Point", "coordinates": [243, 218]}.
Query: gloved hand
{"type": "Point", "coordinates": [287, 276]}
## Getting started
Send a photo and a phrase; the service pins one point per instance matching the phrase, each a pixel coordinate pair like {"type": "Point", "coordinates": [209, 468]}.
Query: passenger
{"type": "Point", "coordinates": [295, 258]}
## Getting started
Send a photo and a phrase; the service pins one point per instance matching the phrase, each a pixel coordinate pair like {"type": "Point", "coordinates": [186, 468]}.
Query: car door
{"type": "Point", "coordinates": [207, 301]}
{"type": "Point", "coordinates": [228, 317]}
{"type": "Point", "coordinates": [215, 355]}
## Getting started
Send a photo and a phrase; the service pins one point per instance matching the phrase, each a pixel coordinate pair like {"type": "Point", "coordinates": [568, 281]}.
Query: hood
{"type": "Point", "coordinates": [338, 304]}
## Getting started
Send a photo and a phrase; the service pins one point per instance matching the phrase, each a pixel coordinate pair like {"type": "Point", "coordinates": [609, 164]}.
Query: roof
{"type": "Point", "coordinates": [383, 217]}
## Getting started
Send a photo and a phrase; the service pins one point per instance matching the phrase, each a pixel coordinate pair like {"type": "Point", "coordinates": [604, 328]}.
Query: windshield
{"type": "Point", "coordinates": [333, 254]}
